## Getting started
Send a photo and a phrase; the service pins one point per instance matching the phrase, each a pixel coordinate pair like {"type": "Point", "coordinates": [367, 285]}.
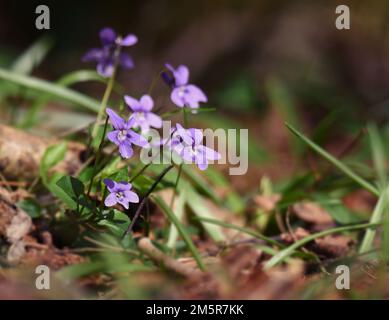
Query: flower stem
{"type": "Point", "coordinates": [104, 102]}
{"type": "Point", "coordinates": [186, 123]}
{"type": "Point", "coordinates": [97, 160]}
{"type": "Point", "coordinates": [144, 200]}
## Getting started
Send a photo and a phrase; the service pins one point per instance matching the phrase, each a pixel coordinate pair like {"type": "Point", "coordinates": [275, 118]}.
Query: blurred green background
{"type": "Point", "coordinates": [260, 62]}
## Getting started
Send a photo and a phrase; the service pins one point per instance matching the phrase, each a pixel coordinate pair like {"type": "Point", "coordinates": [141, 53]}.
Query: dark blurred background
{"type": "Point", "coordinates": [260, 62]}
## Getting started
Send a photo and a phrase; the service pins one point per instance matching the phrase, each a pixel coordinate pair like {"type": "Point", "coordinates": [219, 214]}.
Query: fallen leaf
{"type": "Point", "coordinates": [312, 213]}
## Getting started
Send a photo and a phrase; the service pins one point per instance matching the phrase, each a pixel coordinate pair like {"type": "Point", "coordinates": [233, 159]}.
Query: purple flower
{"type": "Point", "coordinates": [107, 55]}
{"type": "Point", "coordinates": [142, 115]}
{"type": "Point", "coordinates": [123, 136]}
{"type": "Point", "coordinates": [119, 193]}
{"type": "Point", "coordinates": [183, 94]}
{"type": "Point", "coordinates": [188, 144]}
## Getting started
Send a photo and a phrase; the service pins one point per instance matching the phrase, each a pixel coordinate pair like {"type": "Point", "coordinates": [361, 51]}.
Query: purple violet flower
{"type": "Point", "coordinates": [106, 56]}
{"type": "Point", "coordinates": [142, 115]}
{"type": "Point", "coordinates": [120, 192]}
{"type": "Point", "coordinates": [183, 94]}
{"type": "Point", "coordinates": [188, 144]}
{"type": "Point", "coordinates": [123, 136]}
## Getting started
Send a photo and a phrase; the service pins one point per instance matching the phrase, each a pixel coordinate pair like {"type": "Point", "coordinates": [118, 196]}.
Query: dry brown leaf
{"type": "Point", "coordinates": [267, 203]}
{"type": "Point", "coordinates": [333, 245]}
{"type": "Point", "coordinates": [312, 213]}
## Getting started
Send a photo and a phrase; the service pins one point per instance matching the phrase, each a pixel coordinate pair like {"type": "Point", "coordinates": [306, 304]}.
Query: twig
{"type": "Point", "coordinates": [141, 205]}
{"type": "Point", "coordinates": [145, 245]}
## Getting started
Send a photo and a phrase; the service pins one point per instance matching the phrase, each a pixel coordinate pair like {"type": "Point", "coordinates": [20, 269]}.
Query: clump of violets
{"type": "Point", "coordinates": [123, 135]}
{"type": "Point", "coordinates": [188, 144]}
{"type": "Point", "coordinates": [110, 53]}
{"type": "Point", "coordinates": [120, 192]}
{"type": "Point", "coordinates": [183, 94]}
{"type": "Point", "coordinates": [142, 116]}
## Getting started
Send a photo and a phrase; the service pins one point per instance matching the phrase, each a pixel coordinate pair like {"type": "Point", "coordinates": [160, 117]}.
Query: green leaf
{"type": "Point", "coordinates": [117, 224]}
{"type": "Point", "coordinates": [53, 89]}
{"type": "Point", "coordinates": [73, 187]}
{"type": "Point", "coordinates": [338, 164]}
{"type": "Point", "coordinates": [52, 156]}
{"type": "Point", "coordinates": [31, 207]}
{"type": "Point", "coordinates": [59, 192]}
{"type": "Point", "coordinates": [181, 230]}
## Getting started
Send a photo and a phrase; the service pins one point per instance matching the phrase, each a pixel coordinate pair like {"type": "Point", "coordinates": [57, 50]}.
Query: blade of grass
{"type": "Point", "coordinates": [201, 210]}
{"type": "Point", "coordinates": [282, 255]}
{"type": "Point", "coordinates": [53, 89]}
{"type": "Point", "coordinates": [173, 232]}
{"type": "Point", "coordinates": [338, 164]}
{"type": "Point", "coordinates": [376, 217]}
{"type": "Point", "coordinates": [67, 80]}
{"type": "Point", "coordinates": [241, 229]}
{"type": "Point", "coordinates": [181, 230]}
{"type": "Point", "coordinates": [378, 153]}
{"type": "Point", "coordinates": [32, 56]}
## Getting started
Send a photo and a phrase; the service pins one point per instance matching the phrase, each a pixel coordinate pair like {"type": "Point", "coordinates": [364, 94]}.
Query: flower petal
{"type": "Point", "coordinates": [110, 200]}
{"type": "Point", "coordinates": [154, 120]}
{"type": "Point", "coordinates": [176, 97]}
{"type": "Point", "coordinates": [203, 166]}
{"type": "Point", "coordinates": [181, 74]}
{"type": "Point", "coordinates": [126, 61]}
{"type": "Point", "coordinates": [129, 40]}
{"type": "Point", "coordinates": [131, 196]}
{"type": "Point", "coordinates": [137, 139]}
{"type": "Point", "coordinates": [117, 122]}
{"type": "Point", "coordinates": [125, 149]}
{"type": "Point", "coordinates": [94, 54]}
{"type": "Point", "coordinates": [132, 103]}
{"type": "Point", "coordinates": [105, 69]}
{"type": "Point", "coordinates": [210, 154]}
{"type": "Point", "coordinates": [123, 185]}
{"type": "Point", "coordinates": [194, 95]}
{"type": "Point", "coordinates": [113, 137]}
{"type": "Point", "coordinates": [196, 134]}
{"type": "Point", "coordinates": [110, 185]}
{"type": "Point", "coordinates": [183, 134]}
{"type": "Point", "coordinates": [147, 102]}
{"type": "Point", "coordinates": [107, 36]}
{"type": "Point", "coordinates": [124, 203]}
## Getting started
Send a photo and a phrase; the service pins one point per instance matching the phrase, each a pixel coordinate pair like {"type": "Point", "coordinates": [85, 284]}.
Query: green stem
{"type": "Point", "coordinates": [97, 159]}
{"type": "Point", "coordinates": [141, 205]}
{"type": "Point", "coordinates": [186, 123]}
{"type": "Point", "coordinates": [103, 105]}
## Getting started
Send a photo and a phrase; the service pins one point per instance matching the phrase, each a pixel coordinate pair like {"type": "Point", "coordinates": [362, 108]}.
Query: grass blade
{"type": "Point", "coordinates": [282, 255]}
{"type": "Point", "coordinates": [376, 217]}
{"type": "Point", "coordinates": [201, 210]}
{"type": "Point", "coordinates": [338, 164]}
{"type": "Point", "coordinates": [173, 232]}
{"type": "Point", "coordinates": [33, 56]}
{"type": "Point", "coordinates": [181, 230]}
{"type": "Point", "coordinates": [53, 89]}
{"type": "Point", "coordinates": [241, 229]}
{"type": "Point", "coordinates": [378, 152]}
